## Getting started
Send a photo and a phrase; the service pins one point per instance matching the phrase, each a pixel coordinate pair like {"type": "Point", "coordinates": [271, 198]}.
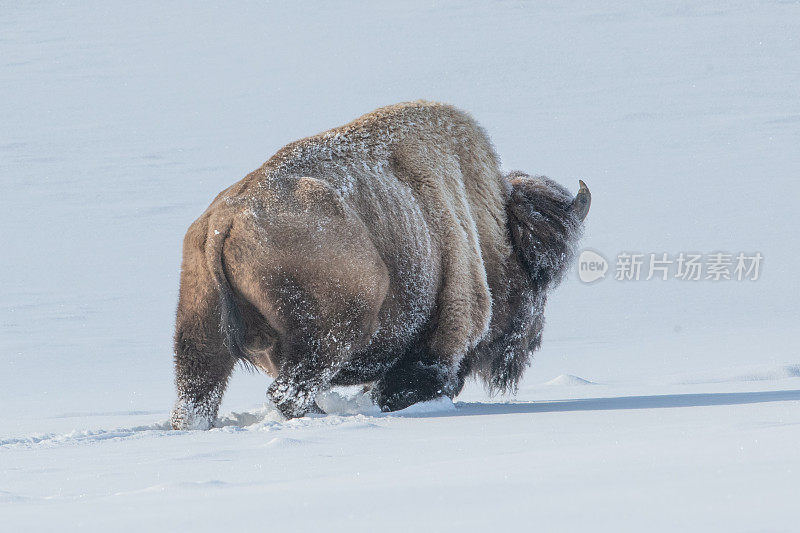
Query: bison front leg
{"type": "Point", "coordinates": [415, 379]}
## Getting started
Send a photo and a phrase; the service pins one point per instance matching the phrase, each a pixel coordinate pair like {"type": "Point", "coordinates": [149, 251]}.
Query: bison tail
{"type": "Point", "coordinates": [231, 323]}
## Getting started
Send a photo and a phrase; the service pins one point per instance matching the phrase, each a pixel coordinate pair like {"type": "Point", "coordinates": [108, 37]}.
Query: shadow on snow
{"type": "Point", "coordinates": [665, 401]}
{"type": "Point", "coordinates": [243, 420]}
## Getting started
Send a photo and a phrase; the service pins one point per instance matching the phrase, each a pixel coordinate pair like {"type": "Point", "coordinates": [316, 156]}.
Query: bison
{"type": "Point", "coordinates": [389, 252]}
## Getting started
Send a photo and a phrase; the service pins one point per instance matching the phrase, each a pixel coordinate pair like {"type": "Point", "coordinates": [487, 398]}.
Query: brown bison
{"type": "Point", "coordinates": [389, 251]}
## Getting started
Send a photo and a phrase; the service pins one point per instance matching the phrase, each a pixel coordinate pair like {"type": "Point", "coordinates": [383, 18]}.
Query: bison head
{"type": "Point", "coordinates": [546, 223]}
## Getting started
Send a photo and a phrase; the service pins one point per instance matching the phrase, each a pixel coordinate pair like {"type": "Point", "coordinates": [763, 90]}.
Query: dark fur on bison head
{"type": "Point", "coordinates": [546, 223]}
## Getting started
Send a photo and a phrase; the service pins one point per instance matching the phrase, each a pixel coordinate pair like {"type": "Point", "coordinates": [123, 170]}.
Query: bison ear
{"type": "Point", "coordinates": [582, 202]}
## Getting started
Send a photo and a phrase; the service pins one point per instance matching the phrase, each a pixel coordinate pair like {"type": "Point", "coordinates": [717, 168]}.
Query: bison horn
{"type": "Point", "coordinates": [580, 205]}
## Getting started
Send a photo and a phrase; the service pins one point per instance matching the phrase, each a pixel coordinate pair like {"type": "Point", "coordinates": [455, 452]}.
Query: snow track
{"type": "Point", "coordinates": [268, 419]}
{"type": "Point", "coordinates": [436, 462]}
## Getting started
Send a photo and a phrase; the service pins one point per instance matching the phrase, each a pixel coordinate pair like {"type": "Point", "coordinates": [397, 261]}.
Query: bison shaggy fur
{"type": "Point", "coordinates": [390, 251]}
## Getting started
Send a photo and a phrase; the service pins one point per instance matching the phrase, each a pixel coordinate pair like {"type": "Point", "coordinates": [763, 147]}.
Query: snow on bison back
{"type": "Point", "coordinates": [389, 251]}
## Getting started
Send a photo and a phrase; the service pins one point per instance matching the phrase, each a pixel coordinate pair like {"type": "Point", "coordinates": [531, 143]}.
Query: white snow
{"type": "Point", "coordinates": [652, 406]}
{"type": "Point", "coordinates": [568, 380]}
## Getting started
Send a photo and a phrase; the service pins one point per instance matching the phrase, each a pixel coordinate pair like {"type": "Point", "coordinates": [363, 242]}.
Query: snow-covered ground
{"type": "Point", "coordinates": [652, 406]}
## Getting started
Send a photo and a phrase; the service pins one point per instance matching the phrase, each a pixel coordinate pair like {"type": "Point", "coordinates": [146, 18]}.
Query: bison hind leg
{"type": "Point", "coordinates": [322, 331]}
{"type": "Point", "coordinates": [309, 367]}
{"type": "Point", "coordinates": [202, 368]}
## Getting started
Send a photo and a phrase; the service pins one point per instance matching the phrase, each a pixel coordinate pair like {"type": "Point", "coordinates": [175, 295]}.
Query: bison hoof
{"type": "Point", "coordinates": [290, 409]}
{"type": "Point", "coordinates": [412, 383]}
{"type": "Point", "coordinates": [397, 401]}
{"type": "Point", "coordinates": [292, 401]}
{"type": "Point", "coordinates": [188, 417]}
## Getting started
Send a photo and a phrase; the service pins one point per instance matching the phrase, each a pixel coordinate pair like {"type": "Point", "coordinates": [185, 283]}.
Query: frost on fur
{"type": "Point", "coordinates": [389, 251]}
{"type": "Point", "coordinates": [545, 223]}
{"type": "Point", "coordinates": [191, 415]}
